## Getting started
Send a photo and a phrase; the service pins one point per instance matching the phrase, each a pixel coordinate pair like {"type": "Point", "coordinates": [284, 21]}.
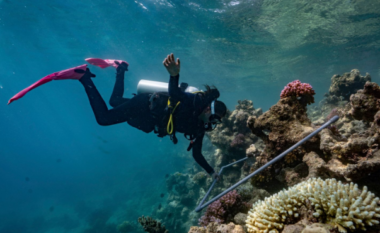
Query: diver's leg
{"type": "Point", "coordinates": [103, 115]}
{"type": "Point", "coordinates": [118, 90]}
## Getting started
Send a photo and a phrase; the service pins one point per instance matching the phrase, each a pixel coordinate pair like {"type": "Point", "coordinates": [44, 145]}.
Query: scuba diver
{"type": "Point", "coordinates": [190, 113]}
{"type": "Point", "coordinates": [165, 113]}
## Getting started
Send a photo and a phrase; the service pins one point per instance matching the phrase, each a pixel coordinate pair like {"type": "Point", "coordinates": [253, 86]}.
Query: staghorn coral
{"type": "Point", "coordinates": [224, 209]}
{"type": "Point", "coordinates": [304, 91]}
{"type": "Point", "coordinates": [342, 205]}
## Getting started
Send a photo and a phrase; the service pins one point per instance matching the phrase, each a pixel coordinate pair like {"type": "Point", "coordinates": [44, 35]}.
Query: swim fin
{"type": "Point", "coordinates": [72, 73]}
{"type": "Point", "coordinates": [104, 63]}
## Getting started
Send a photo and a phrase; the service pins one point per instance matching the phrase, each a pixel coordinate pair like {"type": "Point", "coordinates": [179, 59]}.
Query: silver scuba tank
{"type": "Point", "coordinates": [148, 86]}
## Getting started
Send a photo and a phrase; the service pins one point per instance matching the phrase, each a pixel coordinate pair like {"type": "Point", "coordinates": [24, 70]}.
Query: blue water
{"type": "Point", "coordinates": [58, 167]}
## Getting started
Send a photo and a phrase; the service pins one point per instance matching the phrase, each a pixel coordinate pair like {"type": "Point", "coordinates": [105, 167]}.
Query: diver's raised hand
{"type": "Point", "coordinates": [171, 65]}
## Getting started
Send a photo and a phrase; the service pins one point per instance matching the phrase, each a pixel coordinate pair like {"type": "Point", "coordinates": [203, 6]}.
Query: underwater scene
{"type": "Point", "coordinates": [201, 116]}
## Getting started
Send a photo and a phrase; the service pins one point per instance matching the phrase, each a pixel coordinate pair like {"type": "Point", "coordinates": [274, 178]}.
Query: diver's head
{"type": "Point", "coordinates": [213, 110]}
{"type": "Point", "coordinates": [213, 114]}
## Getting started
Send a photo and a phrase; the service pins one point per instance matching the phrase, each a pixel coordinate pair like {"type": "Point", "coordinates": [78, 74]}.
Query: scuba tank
{"type": "Point", "coordinates": [147, 86]}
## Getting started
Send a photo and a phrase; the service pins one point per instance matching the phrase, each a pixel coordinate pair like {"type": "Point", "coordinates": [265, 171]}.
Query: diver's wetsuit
{"type": "Point", "coordinates": [137, 113]}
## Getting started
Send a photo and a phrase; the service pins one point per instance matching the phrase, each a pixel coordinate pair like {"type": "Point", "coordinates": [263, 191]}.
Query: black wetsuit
{"type": "Point", "coordinates": [137, 113]}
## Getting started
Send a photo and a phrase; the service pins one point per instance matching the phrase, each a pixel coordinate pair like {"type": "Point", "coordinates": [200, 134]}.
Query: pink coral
{"type": "Point", "coordinates": [224, 209]}
{"type": "Point", "coordinates": [298, 89]}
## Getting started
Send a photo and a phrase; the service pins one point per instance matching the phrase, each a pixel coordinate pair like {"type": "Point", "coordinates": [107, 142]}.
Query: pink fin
{"type": "Point", "coordinates": [60, 75]}
{"type": "Point", "coordinates": [103, 63]}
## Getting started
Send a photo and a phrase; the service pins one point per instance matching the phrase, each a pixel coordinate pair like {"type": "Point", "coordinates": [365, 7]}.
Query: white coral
{"type": "Point", "coordinates": [342, 205]}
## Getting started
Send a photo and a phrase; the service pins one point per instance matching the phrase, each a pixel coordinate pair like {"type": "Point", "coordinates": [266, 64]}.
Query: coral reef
{"type": "Point", "coordinates": [345, 150]}
{"type": "Point", "coordinates": [233, 135]}
{"type": "Point", "coordinates": [342, 205]}
{"type": "Point", "coordinates": [282, 126]}
{"type": "Point", "coordinates": [224, 209]}
{"type": "Point", "coordinates": [183, 186]}
{"type": "Point", "coordinates": [339, 94]}
{"type": "Point", "coordinates": [152, 226]}
{"type": "Point", "coordinates": [353, 152]}
{"type": "Point", "coordinates": [302, 91]}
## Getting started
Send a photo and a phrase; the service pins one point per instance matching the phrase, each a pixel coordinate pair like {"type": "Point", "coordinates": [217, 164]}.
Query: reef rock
{"type": "Point", "coordinates": [348, 83]}
{"type": "Point", "coordinates": [218, 228]}
{"type": "Point", "coordinates": [366, 102]}
{"type": "Point", "coordinates": [352, 159]}
{"type": "Point", "coordinates": [252, 152]}
{"type": "Point", "coordinates": [315, 165]}
{"type": "Point", "coordinates": [294, 228]}
{"type": "Point", "coordinates": [337, 100]}
{"type": "Point", "coordinates": [240, 218]}
{"type": "Point", "coordinates": [318, 228]}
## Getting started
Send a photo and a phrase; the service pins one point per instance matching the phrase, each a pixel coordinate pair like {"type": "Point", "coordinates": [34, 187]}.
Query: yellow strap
{"type": "Point", "coordinates": [170, 126]}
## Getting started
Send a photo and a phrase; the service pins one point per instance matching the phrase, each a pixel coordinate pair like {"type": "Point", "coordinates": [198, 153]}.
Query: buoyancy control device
{"type": "Point", "coordinates": [159, 96]}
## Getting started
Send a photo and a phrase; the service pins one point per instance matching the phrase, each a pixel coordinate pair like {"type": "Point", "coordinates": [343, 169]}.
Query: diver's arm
{"type": "Point", "coordinates": [197, 154]}
{"type": "Point", "coordinates": [118, 90]}
{"type": "Point", "coordinates": [173, 67]}
{"type": "Point", "coordinates": [174, 91]}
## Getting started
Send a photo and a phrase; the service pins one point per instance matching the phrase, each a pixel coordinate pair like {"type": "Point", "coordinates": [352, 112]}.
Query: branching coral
{"type": "Point", "coordinates": [224, 209]}
{"type": "Point", "coordinates": [298, 89]}
{"type": "Point", "coordinates": [342, 205]}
